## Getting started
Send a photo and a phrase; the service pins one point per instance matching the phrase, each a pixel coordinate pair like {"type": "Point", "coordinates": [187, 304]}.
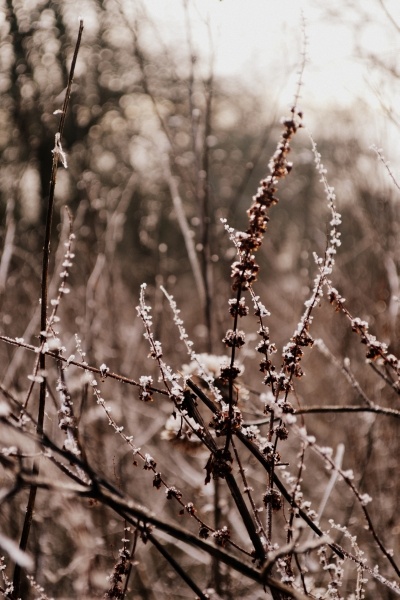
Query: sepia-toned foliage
{"type": "Point", "coordinates": [199, 340]}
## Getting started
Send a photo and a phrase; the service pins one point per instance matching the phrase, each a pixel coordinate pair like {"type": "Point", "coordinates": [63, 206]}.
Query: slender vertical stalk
{"type": "Point", "coordinates": [57, 154]}
{"type": "Point", "coordinates": [205, 218]}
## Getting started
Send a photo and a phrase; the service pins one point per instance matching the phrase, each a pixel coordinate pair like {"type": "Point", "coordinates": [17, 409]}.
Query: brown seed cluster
{"type": "Point", "coordinates": [229, 373]}
{"type": "Point", "coordinates": [238, 307]}
{"type": "Point", "coordinates": [244, 271]}
{"type": "Point", "coordinates": [293, 353]}
{"type": "Point", "coordinates": [121, 570]}
{"type": "Point", "coordinates": [222, 536]}
{"type": "Point", "coordinates": [227, 420]}
{"type": "Point", "coordinates": [273, 498]}
{"type": "Point", "coordinates": [234, 338]}
{"type": "Point", "coordinates": [219, 465]}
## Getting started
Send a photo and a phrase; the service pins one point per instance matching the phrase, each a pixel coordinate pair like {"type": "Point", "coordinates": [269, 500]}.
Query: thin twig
{"type": "Point", "coordinates": [380, 410]}
{"type": "Point", "coordinates": [261, 458]}
{"type": "Point", "coordinates": [57, 155]}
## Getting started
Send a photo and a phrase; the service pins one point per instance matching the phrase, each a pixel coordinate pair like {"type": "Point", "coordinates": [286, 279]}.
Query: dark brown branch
{"type": "Point", "coordinates": [380, 410]}
{"type": "Point", "coordinates": [261, 458]}
{"type": "Point", "coordinates": [75, 363]}
{"type": "Point", "coordinates": [231, 482]}
{"type": "Point", "coordinates": [43, 311]}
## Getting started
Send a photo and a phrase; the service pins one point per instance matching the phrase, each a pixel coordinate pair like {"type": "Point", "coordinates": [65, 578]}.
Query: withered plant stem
{"type": "Point", "coordinates": [262, 460]}
{"type": "Point", "coordinates": [43, 312]}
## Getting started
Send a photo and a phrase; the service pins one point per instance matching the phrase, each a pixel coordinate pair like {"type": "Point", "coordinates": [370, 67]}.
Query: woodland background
{"type": "Point", "coordinates": [155, 139]}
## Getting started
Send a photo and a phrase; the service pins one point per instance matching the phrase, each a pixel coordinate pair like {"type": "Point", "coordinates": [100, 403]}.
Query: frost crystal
{"type": "Point", "coordinates": [104, 370]}
{"type": "Point", "coordinates": [365, 499]}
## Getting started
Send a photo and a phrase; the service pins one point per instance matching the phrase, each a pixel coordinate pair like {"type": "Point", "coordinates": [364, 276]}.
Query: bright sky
{"type": "Point", "coordinates": [260, 41]}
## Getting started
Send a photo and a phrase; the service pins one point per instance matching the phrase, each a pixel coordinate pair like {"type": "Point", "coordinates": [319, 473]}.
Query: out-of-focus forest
{"type": "Point", "coordinates": [158, 149]}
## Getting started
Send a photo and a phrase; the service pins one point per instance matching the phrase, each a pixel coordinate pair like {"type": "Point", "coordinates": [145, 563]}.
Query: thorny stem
{"type": "Point", "coordinates": [230, 381]}
{"type": "Point", "coordinates": [150, 465]}
{"type": "Point", "coordinates": [251, 242]}
{"type": "Point", "coordinates": [248, 492]}
{"type": "Point", "coordinates": [43, 314]}
{"type": "Point", "coordinates": [261, 458]}
{"type": "Point", "coordinates": [285, 148]}
{"type": "Point", "coordinates": [216, 576]}
{"type": "Point", "coordinates": [233, 488]}
{"type": "Point", "coordinates": [375, 350]}
{"type": "Point", "coordinates": [104, 492]}
{"type": "Point", "coordinates": [268, 518]}
{"type": "Point", "coordinates": [290, 498]}
{"type": "Point", "coordinates": [142, 519]}
{"type": "Point", "coordinates": [258, 219]}
{"type": "Point", "coordinates": [167, 377]}
{"type": "Point", "coordinates": [132, 554]}
{"type": "Point", "coordinates": [75, 363]}
{"type": "Point", "coordinates": [289, 536]}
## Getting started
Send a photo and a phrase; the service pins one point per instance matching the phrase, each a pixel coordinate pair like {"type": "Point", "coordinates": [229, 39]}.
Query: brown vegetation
{"type": "Point", "coordinates": [245, 447]}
